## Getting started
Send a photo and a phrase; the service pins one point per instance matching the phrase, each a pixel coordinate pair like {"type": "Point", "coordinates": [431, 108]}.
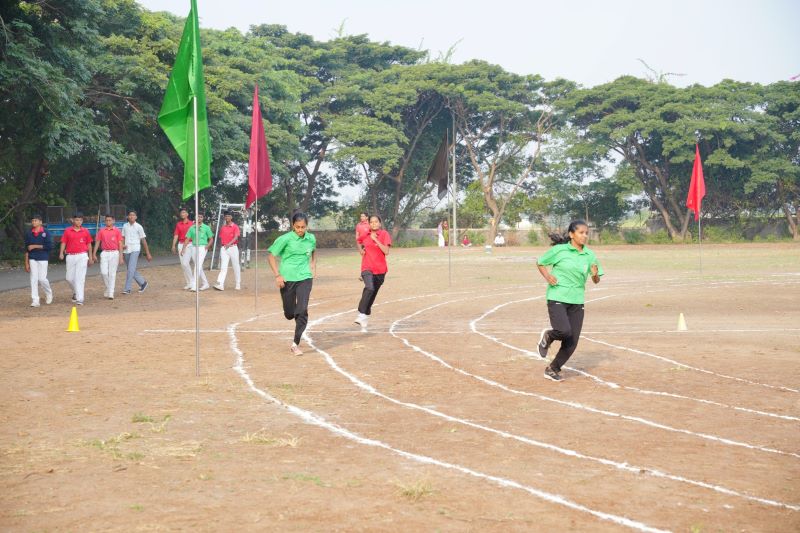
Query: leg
{"type": "Point", "coordinates": [201, 273]}
{"type": "Point", "coordinates": [367, 295]}
{"type": "Point", "coordinates": [80, 275]}
{"type": "Point", "coordinates": [223, 266]}
{"type": "Point", "coordinates": [574, 316]}
{"type": "Point", "coordinates": [104, 270]}
{"type": "Point", "coordinates": [112, 272]}
{"type": "Point", "coordinates": [288, 298]}
{"type": "Point", "coordinates": [34, 279]}
{"type": "Point", "coordinates": [136, 274]}
{"type": "Point", "coordinates": [48, 291]}
{"type": "Point", "coordinates": [303, 293]}
{"type": "Point", "coordinates": [237, 267]}
{"type": "Point", "coordinates": [185, 266]}
{"type": "Point", "coordinates": [130, 263]}
{"type": "Point", "coordinates": [70, 276]}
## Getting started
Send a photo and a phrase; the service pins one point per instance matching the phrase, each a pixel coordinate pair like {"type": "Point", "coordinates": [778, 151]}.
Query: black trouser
{"type": "Point", "coordinates": [372, 284]}
{"type": "Point", "coordinates": [295, 296]}
{"type": "Point", "coordinates": [567, 322]}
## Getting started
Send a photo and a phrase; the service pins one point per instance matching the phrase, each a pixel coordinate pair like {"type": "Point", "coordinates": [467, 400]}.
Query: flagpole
{"type": "Point", "coordinates": [255, 229]}
{"type": "Point", "coordinates": [197, 266]}
{"type": "Point", "coordinates": [700, 245]}
{"type": "Point", "coordinates": [450, 247]}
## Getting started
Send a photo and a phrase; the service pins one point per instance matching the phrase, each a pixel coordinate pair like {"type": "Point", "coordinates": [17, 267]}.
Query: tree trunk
{"type": "Point", "coordinates": [311, 179]}
{"type": "Point", "coordinates": [788, 212]}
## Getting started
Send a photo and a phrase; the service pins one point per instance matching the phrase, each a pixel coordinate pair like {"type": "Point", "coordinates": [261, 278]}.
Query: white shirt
{"type": "Point", "coordinates": [133, 235]}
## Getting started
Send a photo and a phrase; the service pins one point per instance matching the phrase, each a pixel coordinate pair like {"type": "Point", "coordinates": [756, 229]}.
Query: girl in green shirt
{"type": "Point", "coordinates": [572, 264]}
{"type": "Point", "coordinates": [294, 277]}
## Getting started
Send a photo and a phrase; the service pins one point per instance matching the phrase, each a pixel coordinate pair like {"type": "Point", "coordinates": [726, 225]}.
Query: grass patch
{"type": "Point", "coordinates": [111, 446]}
{"type": "Point", "coordinates": [140, 418]}
{"type": "Point", "coordinates": [262, 437]}
{"type": "Point", "coordinates": [415, 491]}
{"type": "Point", "coordinates": [302, 476]}
{"type": "Point", "coordinates": [155, 427]}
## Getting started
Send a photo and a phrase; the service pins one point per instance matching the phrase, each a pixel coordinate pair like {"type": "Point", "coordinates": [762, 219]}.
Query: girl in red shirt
{"type": "Point", "coordinates": [375, 245]}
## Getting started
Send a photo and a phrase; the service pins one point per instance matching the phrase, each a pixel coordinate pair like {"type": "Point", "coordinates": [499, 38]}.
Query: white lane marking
{"type": "Point", "coordinates": [533, 355]}
{"type": "Point", "coordinates": [580, 406]}
{"type": "Point", "coordinates": [316, 420]}
{"type": "Point", "coordinates": [564, 451]}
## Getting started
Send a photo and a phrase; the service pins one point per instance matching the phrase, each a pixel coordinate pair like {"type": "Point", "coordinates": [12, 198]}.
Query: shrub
{"type": "Point", "coordinates": [477, 238]}
{"type": "Point", "coordinates": [633, 236]}
{"type": "Point", "coordinates": [659, 237]}
{"type": "Point", "coordinates": [533, 237]}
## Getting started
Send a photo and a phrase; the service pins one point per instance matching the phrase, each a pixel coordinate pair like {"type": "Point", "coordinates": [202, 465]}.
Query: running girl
{"type": "Point", "coordinates": [373, 266]}
{"type": "Point", "coordinates": [297, 269]}
{"type": "Point", "coordinates": [572, 264]}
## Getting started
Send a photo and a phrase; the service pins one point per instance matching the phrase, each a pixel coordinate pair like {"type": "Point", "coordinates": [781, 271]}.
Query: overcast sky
{"type": "Point", "coordinates": [590, 42]}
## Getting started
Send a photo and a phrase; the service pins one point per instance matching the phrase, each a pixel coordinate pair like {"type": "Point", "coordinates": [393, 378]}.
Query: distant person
{"type": "Point", "coordinates": [38, 243]}
{"type": "Point", "coordinates": [572, 264]}
{"type": "Point", "coordinates": [109, 240]}
{"type": "Point", "coordinates": [446, 232]}
{"type": "Point", "coordinates": [203, 239]}
{"type": "Point", "coordinates": [76, 244]}
{"type": "Point", "coordinates": [229, 235]}
{"type": "Point", "coordinates": [465, 242]}
{"type": "Point", "coordinates": [499, 240]}
{"type": "Point", "coordinates": [297, 252]}
{"type": "Point", "coordinates": [440, 234]}
{"type": "Point", "coordinates": [135, 240]}
{"type": "Point", "coordinates": [373, 267]}
{"type": "Point", "coordinates": [179, 242]}
{"type": "Point", "coordinates": [362, 229]}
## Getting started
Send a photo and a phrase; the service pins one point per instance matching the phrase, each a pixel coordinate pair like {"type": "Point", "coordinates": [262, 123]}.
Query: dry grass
{"type": "Point", "coordinates": [262, 437]}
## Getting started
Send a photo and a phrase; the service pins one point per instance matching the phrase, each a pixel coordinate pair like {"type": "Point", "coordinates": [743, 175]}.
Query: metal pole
{"type": "Point", "coordinates": [255, 229]}
{"type": "Point", "coordinates": [455, 185]}
{"type": "Point", "coordinates": [700, 246]}
{"type": "Point", "coordinates": [450, 247]}
{"type": "Point", "coordinates": [216, 232]}
{"type": "Point", "coordinates": [197, 266]}
{"type": "Point", "coordinates": [108, 196]}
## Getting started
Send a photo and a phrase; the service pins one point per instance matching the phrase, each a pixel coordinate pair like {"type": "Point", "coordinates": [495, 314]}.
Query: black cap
{"type": "Point", "coordinates": [37, 216]}
{"type": "Point", "coordinates": [227, 213]}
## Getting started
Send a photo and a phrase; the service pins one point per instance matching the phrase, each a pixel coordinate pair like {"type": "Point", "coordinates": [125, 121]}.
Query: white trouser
{"type": "Point", "coordinates": [186, 266]}
{"type": "Point", "coordinates": [190, 250]}
{"type": "Point", "coordinates": [229, 254]}
{"type": "Point", "coordinates": [76, 273]}
{"type": "Point", "coordinates": [109, 261]}
{"type": "Point", "coordinates": [39, 277]}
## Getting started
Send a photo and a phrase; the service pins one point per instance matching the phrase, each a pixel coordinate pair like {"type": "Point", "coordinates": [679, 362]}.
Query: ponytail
{"type": "Point", "coordinates": [563, 238]}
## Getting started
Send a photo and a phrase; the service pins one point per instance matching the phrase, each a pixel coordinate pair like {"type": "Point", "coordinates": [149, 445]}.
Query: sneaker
{"type": "Point", "coordinates": [204, 288]}
{"type": "Point", "coordinates": [35, 304]}
{"type": "Point", "coordinates": [143, 287]}
{"type": "Point", "coordinates": [191, 289]}
{"type": "Point", "coordinates": [295, 349]}
{"type": "Point", "coordinates": [187, 287]}
{"type": "Point", "coordinates": [238, 288]}
{"type": "Point", "coordinates": [73, 298]}
{"type": "Point", "coordinates": [544, 343]}
{"type": "Point", "coordinates": [126, 292]}
{"type": "Point", "coordinates": [362, 320]}
{"type": "Point", "coordinates": [219, 287]}
{"type": "Point", "coordinates": [551, 374]}
{"type": "Point", "coordinates": [48, 299]}
{"type": "Point", "coordinates": [78, 302]}
{"type": "Point", "coordinates": [110, 296]}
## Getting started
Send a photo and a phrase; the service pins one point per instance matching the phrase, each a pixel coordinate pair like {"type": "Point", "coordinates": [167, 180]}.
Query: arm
{"type": "Point", "coordinates": [174, 242]}
{"type": "Point", "coordinates": [273, 264]}
{"type": "Point", "coordinates": [186, 242]}
{"type": "Point", "coordinates": [595, 274]}
{"type": "Point", "coordinates": [27, 263]}
{"type": "Point", "coordinates": [146, 249]}
{"type": "Point", "coordinates": [119, 245]}
{"type": "Point", "coordinates": [96, 246]}
{"type": "Point", "coordinates": [383, 247]}
{"type": "Point", "coordinates": [89, 250]}
{"type": "Point", "coordinates": [314, 263]}
{"type": "Point", "coordinates": [547, 275]}
{"type": "Point", "coordinates": [61, 249]}
{"type": "Point", "coordinates": [359, 246]}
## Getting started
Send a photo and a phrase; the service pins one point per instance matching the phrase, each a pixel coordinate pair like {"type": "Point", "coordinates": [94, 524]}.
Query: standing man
{"type": "Point", "coordinates": [204, 241]}
{"type": "Point", "coordinates": [229, 238]}
{"type": "Point", "coordinates": [38, 243]}
{"type": "Point", "coordinates": [179, 239]}
{"type": "Point", "coordinates": [109, 239]}
{"type": "Point", "coordinates": [135, 239]}
{"type": "Point", "coordinates": [76, 243]}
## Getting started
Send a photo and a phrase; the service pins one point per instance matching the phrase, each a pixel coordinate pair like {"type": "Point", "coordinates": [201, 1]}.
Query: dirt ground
{"type": "Point", "coordinates": [436, 419]}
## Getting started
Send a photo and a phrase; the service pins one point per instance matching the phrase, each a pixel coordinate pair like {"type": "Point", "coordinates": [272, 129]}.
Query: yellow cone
{"type": "Point", "coordinates": [682, 323]}
{"type": "Point", "coordinates": [73, 320]}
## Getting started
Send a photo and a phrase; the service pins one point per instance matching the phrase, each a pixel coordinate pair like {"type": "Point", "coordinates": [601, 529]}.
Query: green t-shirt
{"type": "Point", "coordinates": [571, 268]}
{"type": "Point", "coordinates": [205, 235]}
{"type": "Point", "coordinates": [295, 254]}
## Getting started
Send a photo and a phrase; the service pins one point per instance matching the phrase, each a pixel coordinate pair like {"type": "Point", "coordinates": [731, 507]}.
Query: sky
{"type": "Point", "coordinates": [589, 42]}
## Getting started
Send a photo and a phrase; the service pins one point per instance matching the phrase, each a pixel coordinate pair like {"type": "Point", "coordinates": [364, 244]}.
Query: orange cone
{"type": "Point", "coordinates": [73, 320]}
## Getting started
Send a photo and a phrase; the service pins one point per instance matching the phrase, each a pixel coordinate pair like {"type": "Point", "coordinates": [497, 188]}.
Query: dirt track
{"type": "Point", "coordinates": [437, 419]}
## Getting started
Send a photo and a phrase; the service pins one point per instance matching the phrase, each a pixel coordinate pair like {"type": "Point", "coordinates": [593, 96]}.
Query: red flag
{"type": "Point", "coordinates": [259, 176]}
{"type": "Point", "coordinates": [697, 188]}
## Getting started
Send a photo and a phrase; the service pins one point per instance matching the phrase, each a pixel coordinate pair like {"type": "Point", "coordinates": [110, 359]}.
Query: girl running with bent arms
{"type": "Point", "coordinates": [572, 264]}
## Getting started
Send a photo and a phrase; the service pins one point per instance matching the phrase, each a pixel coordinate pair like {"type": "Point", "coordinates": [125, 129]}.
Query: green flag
{"type": "Point", "coordinates": [177, 115]}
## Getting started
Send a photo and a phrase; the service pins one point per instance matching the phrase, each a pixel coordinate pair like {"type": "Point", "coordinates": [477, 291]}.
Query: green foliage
{"type": "Point", "coordinates": [532, 238]}
{"type": "Point", "coordinates": [633, 236]}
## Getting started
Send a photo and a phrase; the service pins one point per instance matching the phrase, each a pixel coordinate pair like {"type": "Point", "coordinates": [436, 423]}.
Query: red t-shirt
{"type": "Point", "coordinates": [76, 242]}
{"type": "Point", "coordinates": [109, 238]}
{"type": "Point", "coordinates": [374, 259]}
{"type": "Point", "coordinates": [229, 234]}
{"type": "Point", "coordinates": [362, 228]}
{"type": "Point", "coordinates": [181, 229]}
